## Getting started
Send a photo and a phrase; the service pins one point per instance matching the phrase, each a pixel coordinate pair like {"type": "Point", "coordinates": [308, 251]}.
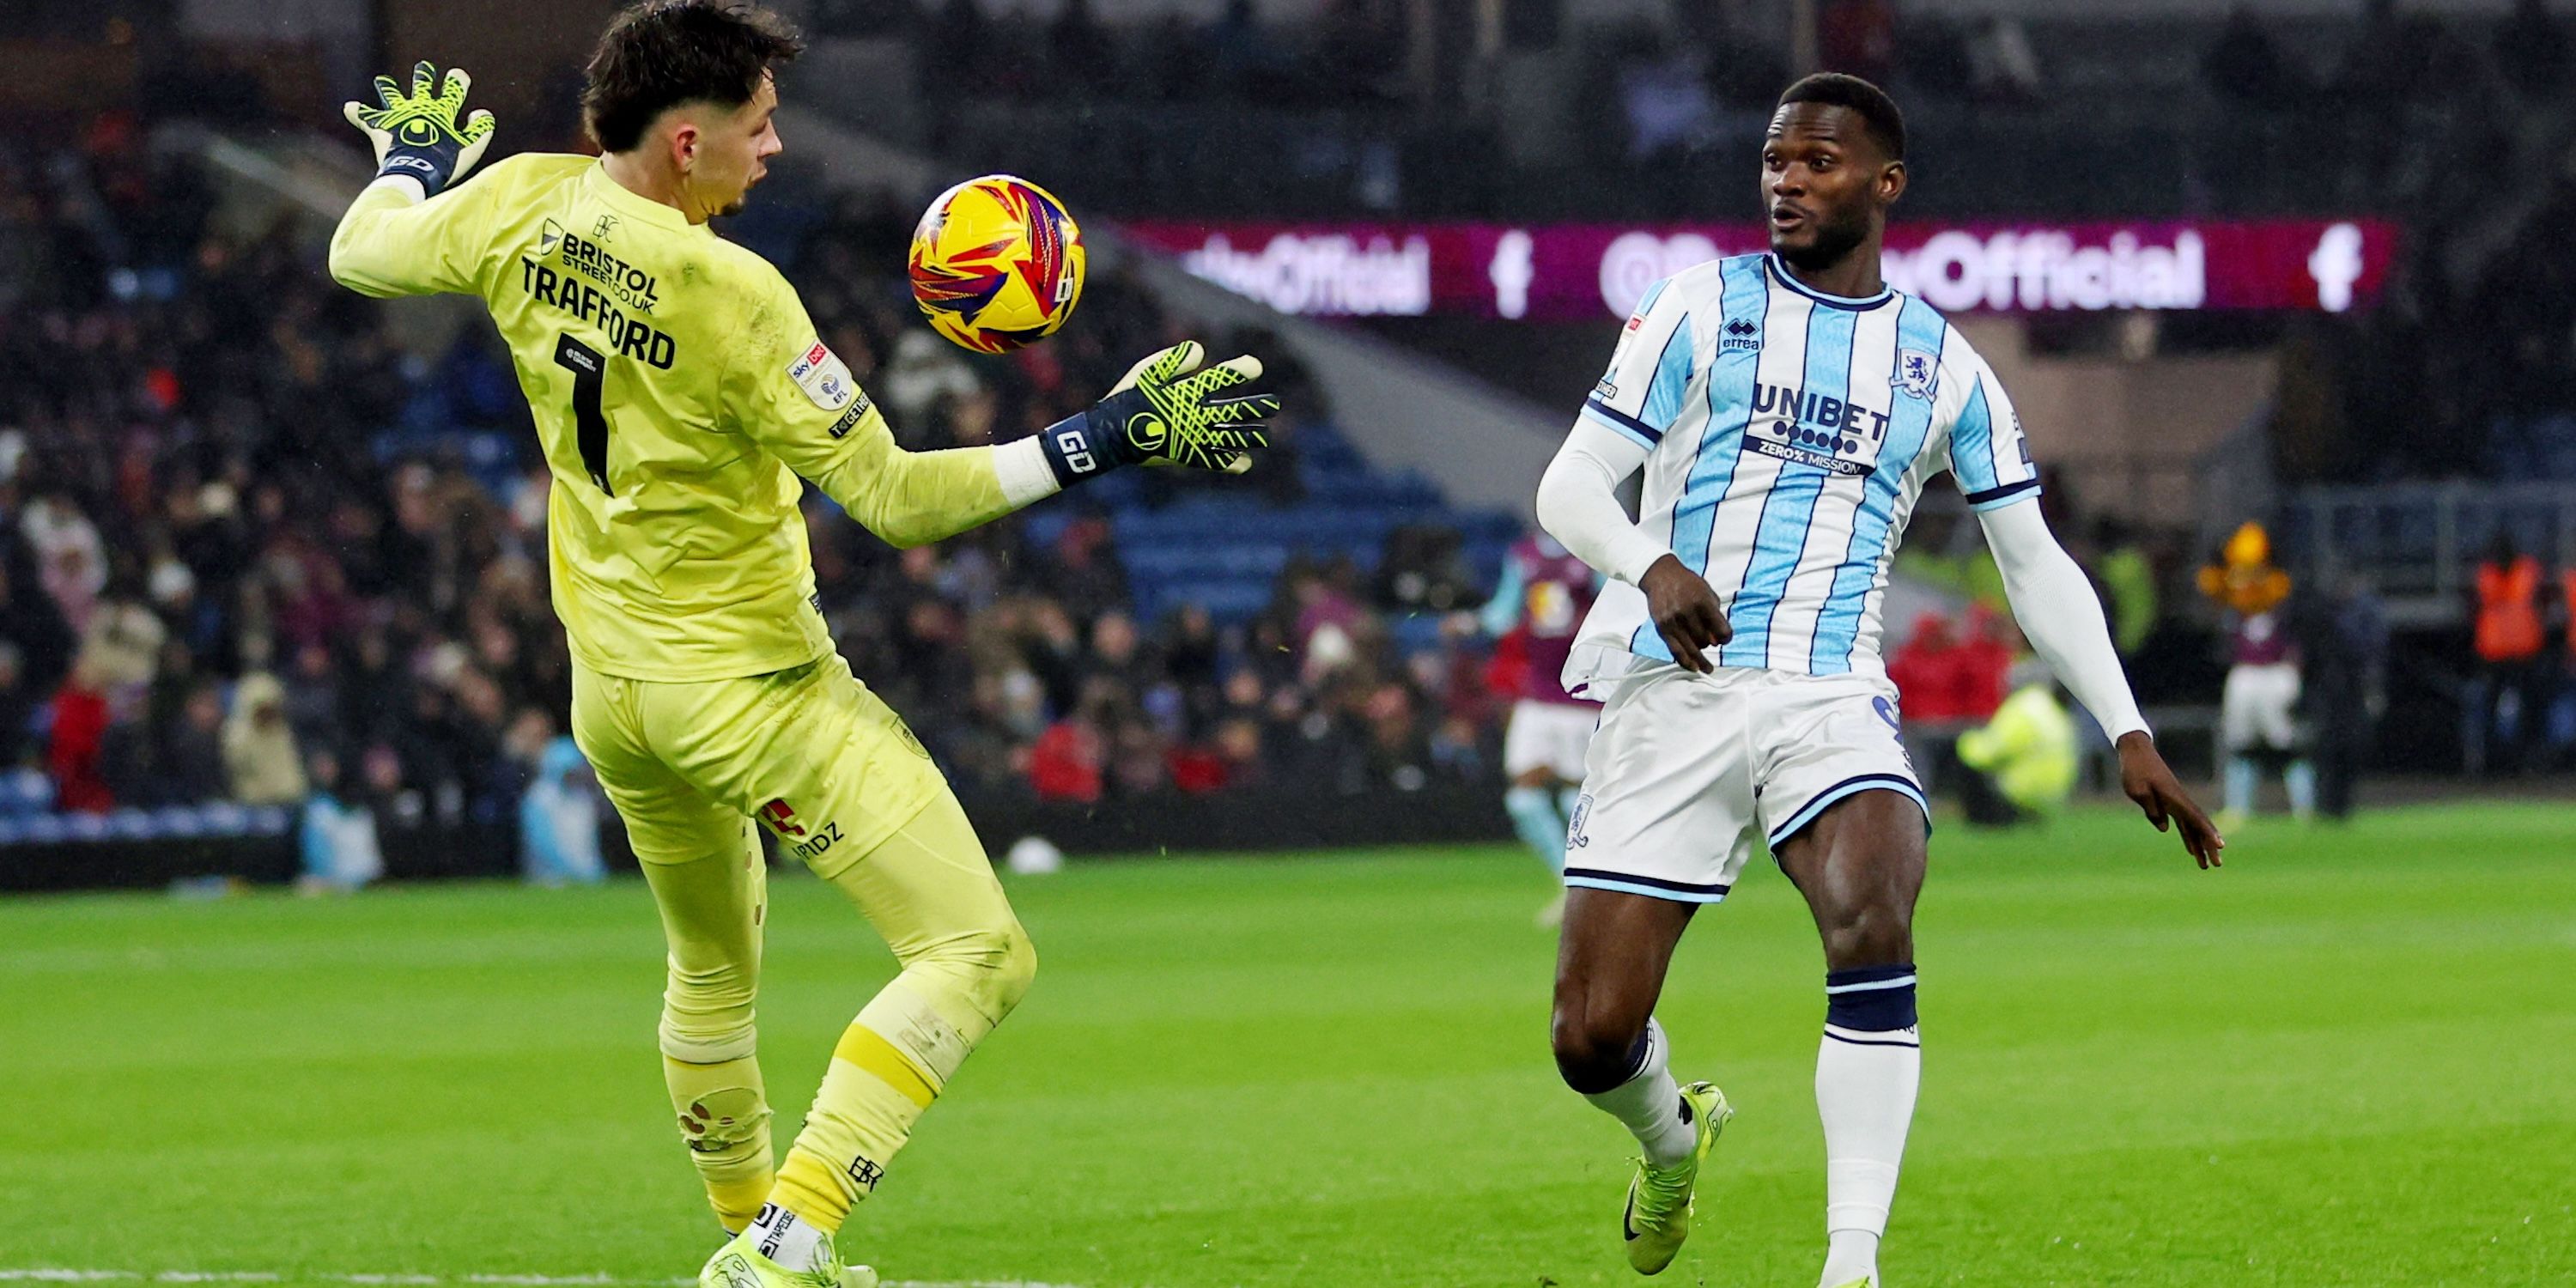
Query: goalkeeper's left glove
{"type": "Point", "coordinates": [417, 135]}
{"type": "Point", "coordinates": [1162, 414]}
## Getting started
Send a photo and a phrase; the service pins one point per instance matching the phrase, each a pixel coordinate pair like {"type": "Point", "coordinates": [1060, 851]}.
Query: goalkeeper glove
{"type": "Point", "coordinates": [1162, 414]}
{"type": "Point", "coordinates": [417, 135]}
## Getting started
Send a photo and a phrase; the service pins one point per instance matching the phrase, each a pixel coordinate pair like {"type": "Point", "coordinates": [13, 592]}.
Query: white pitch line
{"type": "Point", "coordinates": [62, 1275]}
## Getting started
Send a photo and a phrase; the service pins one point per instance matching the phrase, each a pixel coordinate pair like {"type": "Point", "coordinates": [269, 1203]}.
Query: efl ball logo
{"type": "Point", "coordinates": [996, 263]}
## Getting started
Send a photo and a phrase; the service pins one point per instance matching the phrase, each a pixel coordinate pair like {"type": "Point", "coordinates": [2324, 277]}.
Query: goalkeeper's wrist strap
{"type": "Point", "coordinates": [411, 164]}
{"type": "Point", "coordinates": [1083, 446]}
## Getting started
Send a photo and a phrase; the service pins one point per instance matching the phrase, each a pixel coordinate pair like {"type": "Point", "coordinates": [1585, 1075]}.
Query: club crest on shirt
{"type": "Point", "coordinates": [1917, 373]}
{"type": "Point", "coordinates": [824, 378]}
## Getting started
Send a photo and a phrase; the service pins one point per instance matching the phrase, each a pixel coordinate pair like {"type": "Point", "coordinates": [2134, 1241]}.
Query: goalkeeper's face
{"type": "Point", "coordinates": [732, 150]}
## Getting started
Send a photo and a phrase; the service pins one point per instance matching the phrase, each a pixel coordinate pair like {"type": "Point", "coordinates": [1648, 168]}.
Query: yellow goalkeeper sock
{"type": "Point", "coordinates": [724, 1119]}
{"type": "Point", "coordinates": [966, 962]}
{"type": "Point", "coordinates": [887, 1068]}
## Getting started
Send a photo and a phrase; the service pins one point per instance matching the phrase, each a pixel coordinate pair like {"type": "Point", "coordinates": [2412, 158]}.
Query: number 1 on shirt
{"type": "Point", "coordinates": [589, 370]}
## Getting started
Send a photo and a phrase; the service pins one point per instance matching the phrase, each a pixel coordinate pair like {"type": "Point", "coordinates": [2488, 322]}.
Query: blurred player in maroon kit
{"type": "Point", "coordinates": [2258, 708]}
{"type": "Point", "coordinates": [1544, 593]}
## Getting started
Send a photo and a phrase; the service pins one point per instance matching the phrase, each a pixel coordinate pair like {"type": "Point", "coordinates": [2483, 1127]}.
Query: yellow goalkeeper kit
{"type": "Point", "coordinates": [680, 390]}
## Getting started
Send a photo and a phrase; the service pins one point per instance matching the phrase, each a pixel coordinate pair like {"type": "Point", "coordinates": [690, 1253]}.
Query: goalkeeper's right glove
{"type": "Point", "coordinates": [1161, 414]}
{"type": "Point", "coordinates": [417, 135]}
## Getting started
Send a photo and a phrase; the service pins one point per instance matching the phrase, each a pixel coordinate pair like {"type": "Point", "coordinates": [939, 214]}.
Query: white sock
{"type": "Point", "coordinates": [793, 1244]}
{"type": "Point", "coordinates": [1651, 1106]}
{"type": "Point", "coordinates": [1851, 1255]}
{"type": "Point", "coordinates": [1868, 1068]}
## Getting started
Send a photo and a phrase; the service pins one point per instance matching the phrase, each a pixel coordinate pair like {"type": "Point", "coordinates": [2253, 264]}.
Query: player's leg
{"type": "Point", "coordinates": [712, 907]}
{"type": "Point", "coordinates": [930, 891]}
{"type": "Point", "coordinates": [1610, 965]}
{"type": "Point", "coordinates": [1532, 802]}
{"type": "Point", "coordinates": [2299, 776]}
{"type": "Point", "coordinates": [1860, 865]}
{"type": "Point", "coordinates": [1664, 830]}
{"type": "Point", "coordinates": [1847, 820]}
{"type": "Point", "coordinates": [705, 869]}
{"type": "Point", "coordinates": [2280, 725]}
{"type": "Point", "coordinates": [2239, 732]}
{"type": "Point", "coordinates": [849, 791]}
{"type": "Point", "coordinates": [1531, 798]}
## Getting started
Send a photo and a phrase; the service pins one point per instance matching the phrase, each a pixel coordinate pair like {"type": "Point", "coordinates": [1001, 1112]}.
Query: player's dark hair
{"type": "Point", "coordinates": [1875, 108]}
{"type": "Point", "coordinates": [663, 53]}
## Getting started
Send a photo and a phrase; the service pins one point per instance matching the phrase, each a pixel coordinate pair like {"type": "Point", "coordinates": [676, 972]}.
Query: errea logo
{"type": "Point", "coordinates": [1740, 334]}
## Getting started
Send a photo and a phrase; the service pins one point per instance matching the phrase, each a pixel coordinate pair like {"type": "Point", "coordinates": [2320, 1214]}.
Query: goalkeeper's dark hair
{"type": "Point", "coordinates": [662, 53]}
{"type": "Point", "coordinates": [1875, 109]}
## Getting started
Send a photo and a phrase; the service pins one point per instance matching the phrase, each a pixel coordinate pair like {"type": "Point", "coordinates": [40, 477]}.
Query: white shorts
{"type": "Point", "coordinates": [1690, 773]}
{"type": "Point", "coordinates": [1548, 735]}
{"type": "Point", "coordinates": [2257, 708]}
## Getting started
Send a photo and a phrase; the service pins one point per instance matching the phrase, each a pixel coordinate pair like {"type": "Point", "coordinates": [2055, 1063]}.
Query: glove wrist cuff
{"type": "Point", "coordinates": [426, 171]}
{"type": "Point", "coordinates": [1083, 446]}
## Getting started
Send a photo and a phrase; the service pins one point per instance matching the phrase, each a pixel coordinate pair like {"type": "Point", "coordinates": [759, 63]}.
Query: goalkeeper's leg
{"type": "Point", "coordinates": [930, 891]}
{"type": "Point", "coordinates": [711, 917]}
{"type": "Point", "coordinates": [825, 765]}
{"type": "Point", "coordinates": [704, 865]}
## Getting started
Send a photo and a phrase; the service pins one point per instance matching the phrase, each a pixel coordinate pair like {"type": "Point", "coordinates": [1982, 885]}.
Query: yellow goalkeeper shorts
{"type": "Point", "coordinates": [819, 760]}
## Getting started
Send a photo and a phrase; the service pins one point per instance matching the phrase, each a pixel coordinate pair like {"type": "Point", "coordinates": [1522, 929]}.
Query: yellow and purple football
{"type": "Point", "coordinates": [996, 263]}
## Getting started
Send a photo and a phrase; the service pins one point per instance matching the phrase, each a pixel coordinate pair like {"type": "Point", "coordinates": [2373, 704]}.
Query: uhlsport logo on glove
{"type": "Point", "coordinates": [418, 135]}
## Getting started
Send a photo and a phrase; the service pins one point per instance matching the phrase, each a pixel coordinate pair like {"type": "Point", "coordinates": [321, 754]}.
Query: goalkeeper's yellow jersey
{"type": "Point", "coordinates": [678, 389]}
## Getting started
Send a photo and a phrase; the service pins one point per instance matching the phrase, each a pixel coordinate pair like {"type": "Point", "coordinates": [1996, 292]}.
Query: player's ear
{"type": "Point", "coordinates": [684, 145]}
{"type": "Point", "coordinates": [1891, 183]}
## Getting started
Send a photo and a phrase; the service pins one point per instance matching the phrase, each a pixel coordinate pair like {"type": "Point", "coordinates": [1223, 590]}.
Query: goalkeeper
{"type": "Point", "coordinates": [680, 391]}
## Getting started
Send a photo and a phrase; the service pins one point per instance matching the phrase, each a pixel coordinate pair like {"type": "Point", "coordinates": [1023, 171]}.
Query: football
{"type": "Point", "coordinates": [996, 263]}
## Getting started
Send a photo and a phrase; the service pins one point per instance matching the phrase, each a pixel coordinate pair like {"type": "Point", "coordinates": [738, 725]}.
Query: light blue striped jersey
{"type": "Point", "coordinates": [1788, 435]}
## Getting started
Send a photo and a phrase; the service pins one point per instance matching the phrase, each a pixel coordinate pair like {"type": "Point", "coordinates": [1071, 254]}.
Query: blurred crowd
{"type": "Point", "coordinates": [249, 550]}
{"type": "Point", "coordinates": [211, 585]}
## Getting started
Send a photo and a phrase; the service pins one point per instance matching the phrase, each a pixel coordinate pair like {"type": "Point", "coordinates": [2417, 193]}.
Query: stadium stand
{"type": "Point", "coordinates": [204, 511]}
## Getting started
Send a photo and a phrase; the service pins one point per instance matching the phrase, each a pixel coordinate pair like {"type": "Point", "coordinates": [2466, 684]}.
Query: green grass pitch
{"type": "Point", "coordinates": [2348, 1058]}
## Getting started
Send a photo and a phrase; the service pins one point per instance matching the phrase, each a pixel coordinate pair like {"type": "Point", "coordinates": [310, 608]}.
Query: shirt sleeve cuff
{"type": "Point", "coordinates": [1021, 467]}
{"type": "Point", "coordinates": [409, 187]}
{"type": "Point", "coordinates": [1633, 552]}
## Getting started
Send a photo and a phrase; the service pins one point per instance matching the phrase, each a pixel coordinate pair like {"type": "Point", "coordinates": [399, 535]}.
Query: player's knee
{"type": "Point", "coordinates": [713, 986]}
{"type": "Point", "coordinates": [1596, 1052]}
{"type": "Point", "coordinates": [707, 1014]}
{"type": "Point", "coordinates": [1014, 968]}
{"type": "Point", "coordinates": [1867, 933]}
{"type": "Point", "coordinates": [990, 968]}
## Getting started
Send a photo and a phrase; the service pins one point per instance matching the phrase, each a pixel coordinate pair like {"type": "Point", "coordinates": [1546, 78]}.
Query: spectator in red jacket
{"type": "Point", "coordinates": [79, 732]}
{"type": "Point", "coordinates": [1065, 764]}
{"type": "Point", "coordinates": [1925, 670]}
{"type": "Point", "coordinates": [1983, 665]}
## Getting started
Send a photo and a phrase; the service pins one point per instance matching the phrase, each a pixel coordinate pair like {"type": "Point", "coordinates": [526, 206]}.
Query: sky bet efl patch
{"type": "Point", "coordinates": [825, 379]}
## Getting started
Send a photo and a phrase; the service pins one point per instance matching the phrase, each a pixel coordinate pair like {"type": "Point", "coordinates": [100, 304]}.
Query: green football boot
{"type": "Point", "coordinates": [741, 1264]}
{"type": "Point", "coordinates": [1659, 1198]}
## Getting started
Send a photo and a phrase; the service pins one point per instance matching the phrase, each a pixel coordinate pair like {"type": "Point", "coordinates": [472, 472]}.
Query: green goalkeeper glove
{"type": "Point", "coordinates": [1162, 414]}
{"type": "Point", "coordinates": [417, 135]}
